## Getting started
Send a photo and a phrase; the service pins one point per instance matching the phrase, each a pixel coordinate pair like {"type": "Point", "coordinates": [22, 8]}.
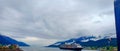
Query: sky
{"type": "Point", "coordinates": [43, 22]}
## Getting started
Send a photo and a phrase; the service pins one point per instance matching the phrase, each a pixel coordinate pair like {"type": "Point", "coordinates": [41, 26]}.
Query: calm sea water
{"type": "Point", "coordinates": [46, 49]}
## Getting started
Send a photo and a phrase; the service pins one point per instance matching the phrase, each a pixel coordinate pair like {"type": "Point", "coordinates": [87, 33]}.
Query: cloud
{"type": "Point", "coordinates": [56, 19]}
{"type": "Point", "coordinates": [38, 41]}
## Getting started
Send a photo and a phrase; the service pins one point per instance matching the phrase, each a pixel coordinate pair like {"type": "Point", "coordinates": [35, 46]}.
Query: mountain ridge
{"type": "Point", "coordinates": [5, 40]}
{"type": "Point", "coordinates": [88, 41]}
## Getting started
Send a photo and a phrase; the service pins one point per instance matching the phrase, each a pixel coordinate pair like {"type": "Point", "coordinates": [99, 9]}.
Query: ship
{"type": "Point", "coordinates": [73, 46]}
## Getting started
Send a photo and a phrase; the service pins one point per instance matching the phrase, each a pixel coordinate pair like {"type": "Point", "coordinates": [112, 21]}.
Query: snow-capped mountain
{"type": "Point", "coordinates": [88, 41]}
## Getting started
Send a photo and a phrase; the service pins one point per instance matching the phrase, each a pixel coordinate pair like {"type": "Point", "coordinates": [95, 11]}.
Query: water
{"type": "Point", "coordinates": [46, 49]}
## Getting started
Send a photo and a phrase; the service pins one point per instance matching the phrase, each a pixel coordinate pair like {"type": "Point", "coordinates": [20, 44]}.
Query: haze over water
{"type": "Point", "coordinates": [46, 49]}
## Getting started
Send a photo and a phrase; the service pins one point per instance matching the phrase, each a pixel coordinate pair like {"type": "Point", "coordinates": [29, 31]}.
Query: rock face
{"type": "Point", "coordinates": [4, 40]}
{"type": "Point", "coordinates": [88, 41]}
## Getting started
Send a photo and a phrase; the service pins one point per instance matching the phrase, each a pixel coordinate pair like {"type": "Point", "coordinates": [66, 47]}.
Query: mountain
{"type": "Point", "coordinates": [4, 40]}
{"type": "Point", "coordinates": [88, 41]}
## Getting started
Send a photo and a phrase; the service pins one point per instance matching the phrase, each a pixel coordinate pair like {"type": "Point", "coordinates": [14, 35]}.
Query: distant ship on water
{"type": "Point", "coordinates": [73, 46]}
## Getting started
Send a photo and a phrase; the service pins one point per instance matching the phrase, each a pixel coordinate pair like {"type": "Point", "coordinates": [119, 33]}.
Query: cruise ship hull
{"type": "Point", "coordinates": [72, 49]}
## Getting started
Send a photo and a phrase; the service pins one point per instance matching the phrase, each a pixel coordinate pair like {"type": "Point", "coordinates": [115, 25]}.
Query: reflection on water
{"type": "Point", "coordinates": [67, 50]}
{"type": "Point", "coordinates": [78, 50]}
{"type": "Point", "coordinates": [47, 49]}
{"type": "Point", "coordinates": [74, 50]}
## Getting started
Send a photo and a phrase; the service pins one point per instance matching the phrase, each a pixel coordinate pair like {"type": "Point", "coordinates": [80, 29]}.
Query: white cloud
{"type": "Point", "coordinates": [56, 19]}
{"type": "Point", "coordinates": [37, 41]}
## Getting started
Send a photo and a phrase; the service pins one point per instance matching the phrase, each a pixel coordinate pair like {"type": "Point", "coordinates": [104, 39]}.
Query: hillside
{"type": "Point", "coordinates": [88, 41]}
